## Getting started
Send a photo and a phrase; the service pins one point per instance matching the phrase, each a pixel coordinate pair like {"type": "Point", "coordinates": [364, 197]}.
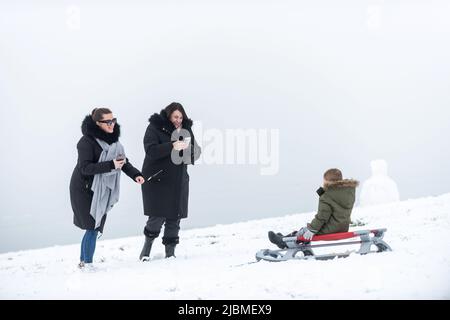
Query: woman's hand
{"type": "Point", "coordinates": [179, 145]}
{"type": "Point", "coordinates": [118, 164]}
{"type": "Point", "coordinates": [139, 179]}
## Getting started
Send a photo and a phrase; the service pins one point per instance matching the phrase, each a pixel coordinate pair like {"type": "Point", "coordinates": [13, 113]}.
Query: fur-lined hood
{"type": "Point", "coordinates": [341, 192]}
{"type": "Point", "coordinates": [90, 128]}
{"type": "Point", "coordinates": [346, 183]}
{"type": "Point", "coordinates": [161, 121]}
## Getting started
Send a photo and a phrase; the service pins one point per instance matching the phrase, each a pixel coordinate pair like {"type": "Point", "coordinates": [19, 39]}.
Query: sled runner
{"type": "Point", "coordinates": [300, 248]}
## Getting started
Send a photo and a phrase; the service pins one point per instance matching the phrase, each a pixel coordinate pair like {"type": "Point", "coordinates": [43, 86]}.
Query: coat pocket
{"type": "Point", "coordinates": [87, 185]}
{"type": "Point", "coordinates": [156, 177]}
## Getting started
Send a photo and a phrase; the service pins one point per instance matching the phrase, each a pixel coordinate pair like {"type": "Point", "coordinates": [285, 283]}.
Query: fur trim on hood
{"type": "Point", "coordinates": [90, 128]}
{"type": "Point", "coordinates": [346, 183]}
{"type": "Point", "coordinates": [161, 121]}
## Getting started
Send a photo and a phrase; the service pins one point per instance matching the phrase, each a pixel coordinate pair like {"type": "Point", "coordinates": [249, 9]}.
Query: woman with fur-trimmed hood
{"type": "Point", "coordinates": [337, 197]}
{"type": "Point", "coordinates": [169, 147]}
{"type": "Point", "coordinates": [95, 182]}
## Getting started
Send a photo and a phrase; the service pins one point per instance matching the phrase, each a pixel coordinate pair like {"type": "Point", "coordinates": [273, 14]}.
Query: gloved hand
{"type": "Point", "coordinates": [306, 233]}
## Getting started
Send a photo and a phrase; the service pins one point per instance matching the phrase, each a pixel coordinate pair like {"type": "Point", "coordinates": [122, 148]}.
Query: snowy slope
{"type": "Point", "coordinates": [211, 263]}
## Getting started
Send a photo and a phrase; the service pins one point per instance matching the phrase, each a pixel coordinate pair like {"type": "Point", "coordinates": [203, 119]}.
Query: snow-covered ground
{"type": "Point", "coordinates": [211, 263]}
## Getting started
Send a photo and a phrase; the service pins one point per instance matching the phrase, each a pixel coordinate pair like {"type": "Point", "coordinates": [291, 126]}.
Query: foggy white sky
{"type": "Point", "coordinates": [344, 84]}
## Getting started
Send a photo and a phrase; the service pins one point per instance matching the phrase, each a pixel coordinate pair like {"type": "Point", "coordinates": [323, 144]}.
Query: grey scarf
{"type": "Point", "coordinates": [106, 186]}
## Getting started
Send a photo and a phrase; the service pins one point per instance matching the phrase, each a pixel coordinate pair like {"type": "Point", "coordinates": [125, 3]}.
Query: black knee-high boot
{"type": "Point", "coordinates": [170, 250]}
{"type": "Point", "coordinates": [145, 253]}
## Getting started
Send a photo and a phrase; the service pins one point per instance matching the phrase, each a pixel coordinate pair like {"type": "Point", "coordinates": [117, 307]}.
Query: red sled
{"type": "Point", "coordinates": [300, 248]}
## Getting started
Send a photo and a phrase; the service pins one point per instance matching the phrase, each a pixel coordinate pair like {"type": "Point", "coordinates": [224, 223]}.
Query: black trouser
{"type": "Point", "coordinates": [171, 229]}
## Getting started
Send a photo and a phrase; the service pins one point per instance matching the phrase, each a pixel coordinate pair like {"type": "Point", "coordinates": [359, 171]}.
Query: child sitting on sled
{"type": "Point", "coordinates": [336, 200]}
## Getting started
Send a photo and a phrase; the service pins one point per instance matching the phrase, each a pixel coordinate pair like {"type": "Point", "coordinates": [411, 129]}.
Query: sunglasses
{"type": "Point", "coordinates": [109, 122]}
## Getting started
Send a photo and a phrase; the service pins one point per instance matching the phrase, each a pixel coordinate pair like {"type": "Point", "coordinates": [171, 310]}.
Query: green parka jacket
{"type": "Point", "coordinates": [335, 207]}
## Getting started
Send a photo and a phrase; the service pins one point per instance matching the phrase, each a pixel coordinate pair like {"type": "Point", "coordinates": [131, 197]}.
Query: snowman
{"type": "Point", "coordinates": [379, 188]}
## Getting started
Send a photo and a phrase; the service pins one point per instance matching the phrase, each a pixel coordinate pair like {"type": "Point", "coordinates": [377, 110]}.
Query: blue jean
{"type": "Point", "coordinates": [88, 246]}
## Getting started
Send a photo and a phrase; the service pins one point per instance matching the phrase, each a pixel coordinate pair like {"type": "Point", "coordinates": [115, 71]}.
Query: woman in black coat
{"type": "Point", "coordinates": [100, 132]}
{"type": "Point", "coordinates": [169, 147]}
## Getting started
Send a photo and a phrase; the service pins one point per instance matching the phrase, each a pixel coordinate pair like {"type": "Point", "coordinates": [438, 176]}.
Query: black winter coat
{"type": "Point", "coordinates": [89, 152]}
{"type": "Point", "coordinates": [167, 193]}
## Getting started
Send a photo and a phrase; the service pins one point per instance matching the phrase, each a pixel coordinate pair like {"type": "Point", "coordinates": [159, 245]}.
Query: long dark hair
{"type": "Point", "coordinates": [174, 106]}
{"type": "Point", "coordinates": [97, 113]}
